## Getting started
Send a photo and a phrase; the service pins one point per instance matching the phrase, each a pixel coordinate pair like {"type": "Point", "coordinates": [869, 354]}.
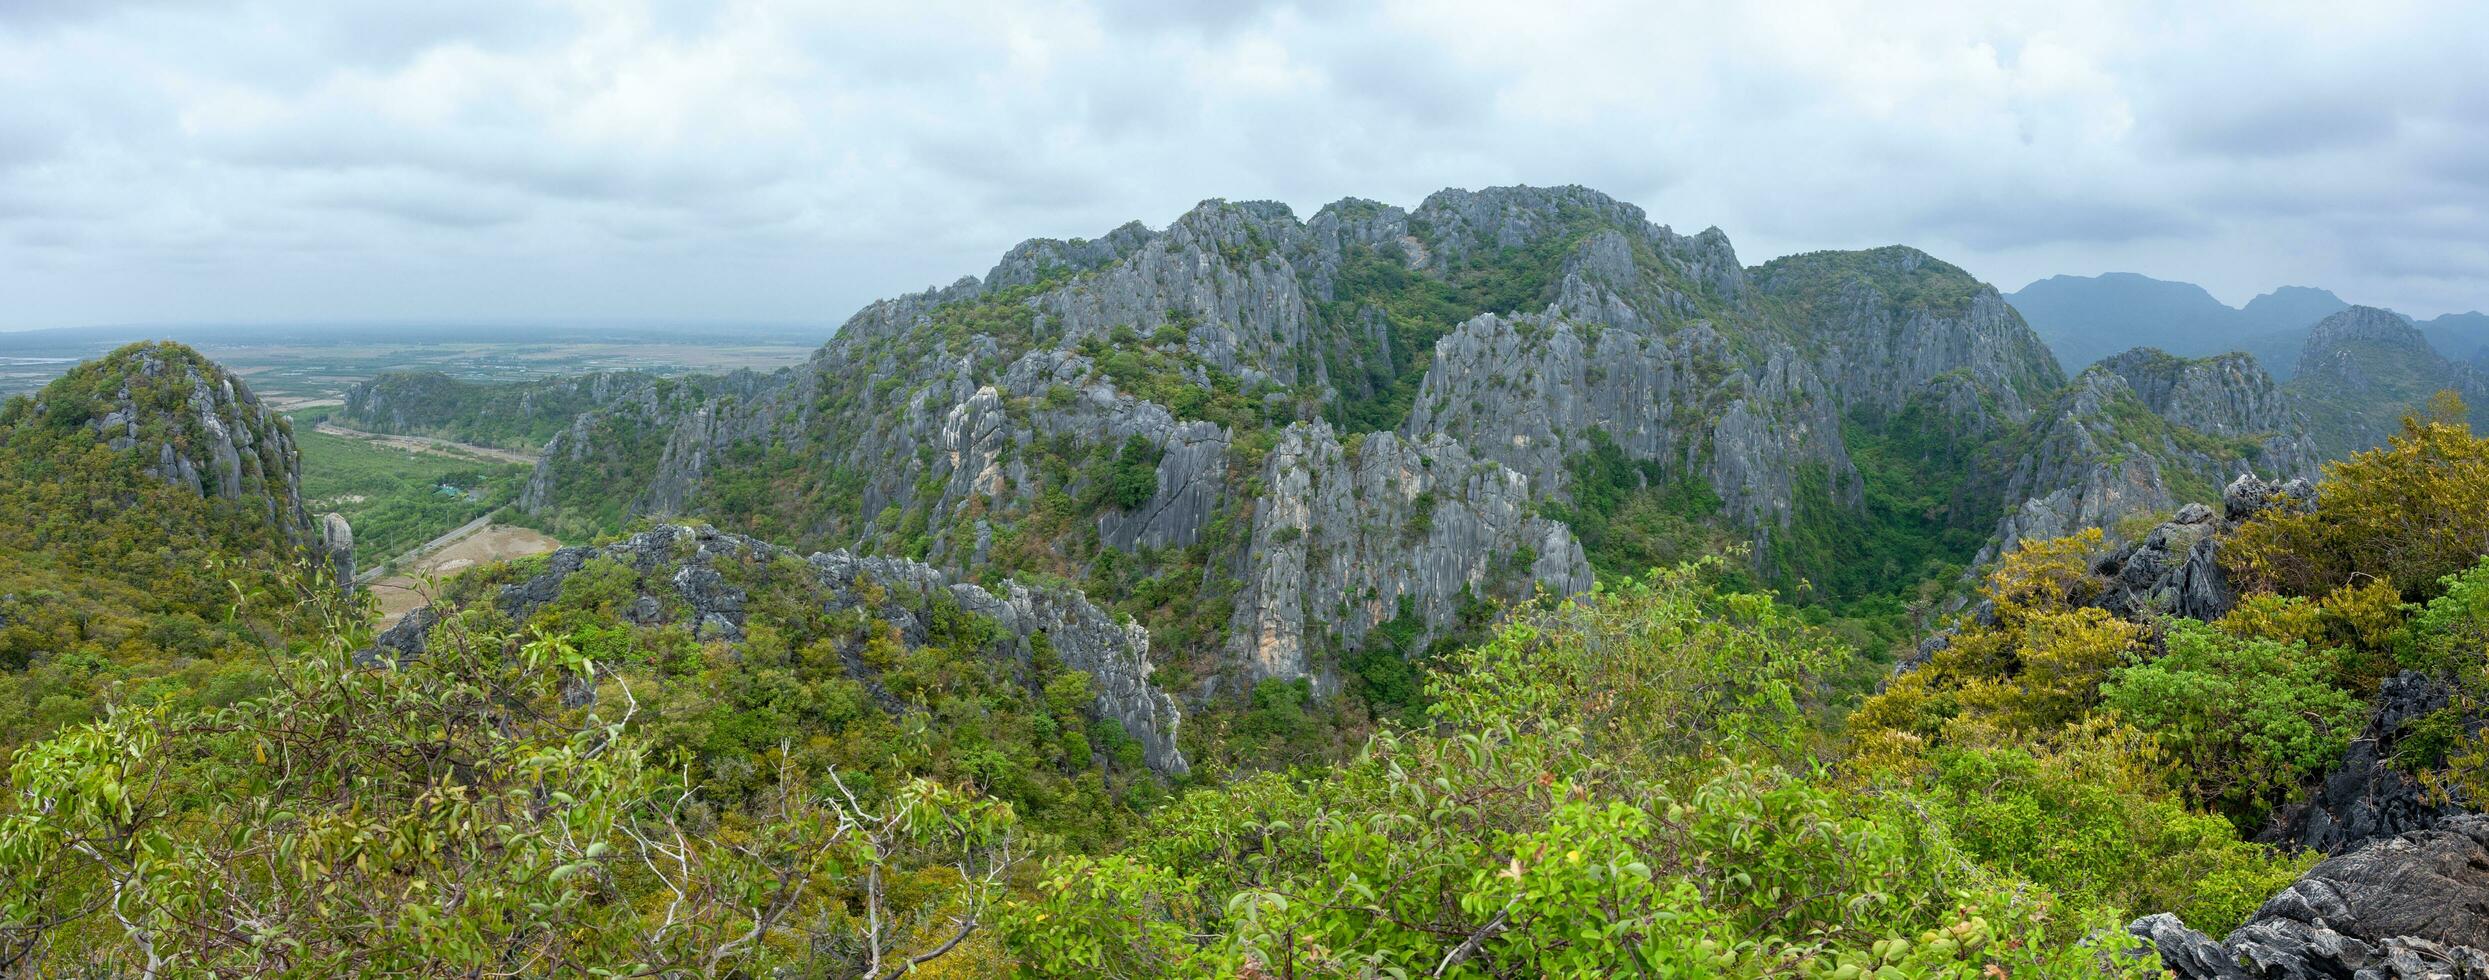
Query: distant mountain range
{"type": "Point", "coordinates": [2086, 318]}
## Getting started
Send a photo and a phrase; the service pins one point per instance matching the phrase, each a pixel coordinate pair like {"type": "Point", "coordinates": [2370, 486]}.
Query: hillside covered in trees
{"type": "Point", "coordinates": [689, 752]}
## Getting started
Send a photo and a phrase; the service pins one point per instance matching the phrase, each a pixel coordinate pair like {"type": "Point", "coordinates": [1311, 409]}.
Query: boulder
{"type": "Point", "coordinates": [2411, 906]}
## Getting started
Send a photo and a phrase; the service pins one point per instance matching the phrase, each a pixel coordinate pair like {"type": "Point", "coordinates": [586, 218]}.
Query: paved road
{"type": "Point", "coordinates": [367, 575]}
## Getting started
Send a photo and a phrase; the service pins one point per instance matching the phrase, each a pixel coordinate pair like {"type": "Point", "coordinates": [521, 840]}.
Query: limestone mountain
{"type": "Point", "coordinates": [1286, 444]}
{"type": "Point", "coordinates": [2364, 368]}
{"type": "Point", "coordinates": [137, 493]}
{"type": "Point", "coordinates": [2145, 431]}
{"type": "Point", "coordinates": [509, 416]}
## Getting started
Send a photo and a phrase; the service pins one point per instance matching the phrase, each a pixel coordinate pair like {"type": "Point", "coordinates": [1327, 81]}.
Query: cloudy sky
{"type": "Point", "coordinates": [197, 160]}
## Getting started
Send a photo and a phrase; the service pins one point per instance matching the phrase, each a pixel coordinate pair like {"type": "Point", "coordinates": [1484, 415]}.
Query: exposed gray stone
{"type": "Point", "coordinates": [2366, 796]}
{"type": "Point", "coordinates": [2410, 906]}
{"type": "Point", "coordinates": [687, 560]}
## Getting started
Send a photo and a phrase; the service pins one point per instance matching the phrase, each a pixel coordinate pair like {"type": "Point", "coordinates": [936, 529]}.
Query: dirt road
{"type": "Point", "coordinates": [402, 592]}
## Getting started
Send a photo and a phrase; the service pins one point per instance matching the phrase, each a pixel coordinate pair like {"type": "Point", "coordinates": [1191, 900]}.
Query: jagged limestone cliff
{"type": "Point", "coordinates": [2144, 432]}
{"type": "Point", "coordinates": [1263, 436]}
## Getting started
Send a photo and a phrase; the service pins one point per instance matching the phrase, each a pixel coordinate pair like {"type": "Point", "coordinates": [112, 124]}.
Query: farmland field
{"type": "Point", "coordinates": [396, 497]}
{"type": "Point", "coordinates": [307, 368]}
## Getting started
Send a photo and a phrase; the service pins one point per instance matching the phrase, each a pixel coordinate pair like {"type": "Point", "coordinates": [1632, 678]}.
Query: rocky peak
{"type": "Point", "coordinates": [2225, 395]}
{"type": "Point", "coordinates": [1031, 261]}
{"type": "Point", "coordinates": [193, 424]}
{"type": "Point", "coordinates": [1888, 321]}
{"type": "Point", "coordinates": [1461, 222]}
{"type": "Point", "coordinates": [2364, 368]}
{"type": "Point", "coordinates": [2361, 327]}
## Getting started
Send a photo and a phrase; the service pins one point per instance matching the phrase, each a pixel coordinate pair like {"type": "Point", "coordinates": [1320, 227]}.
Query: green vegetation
{"type": "Point", "coordinates": [1913, 529]}
{"type": "Point", "coordinates": [396, 499]}
{"type": "Point", "coordinates": [1631, 517]}
{"type": "Point", "coordinates": [452, 817]}
{"type": "Point", "coordinates": [2252, 717]}
{"type": "Point", "coordinates": [2409, 512]}
{"type": "Point", "coordinates": [1135, 477]}
{"type": "Point", "coordinates": [1661, 775]}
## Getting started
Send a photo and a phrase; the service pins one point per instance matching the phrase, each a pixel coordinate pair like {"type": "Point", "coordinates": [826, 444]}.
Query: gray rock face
{"type": "Point", "coordinates": [1349, 537]}
{"type": "Point", "coordinates": [2170, 572]}
{"type": "Point", "coordinates": [2366, 797]}
{"type": "Point", "coordinates": [2410, 906]}
{"type": "Point", "coordinates": [337, 543]}
{"type": "Point", "coordinates": [1527, 390]}
{"type": "Point", "coordinates": [683, 571]}
{"type": "Point", "coordinates": [2108, 450]}
{"type": "Point", "coordinates": [952, 424]}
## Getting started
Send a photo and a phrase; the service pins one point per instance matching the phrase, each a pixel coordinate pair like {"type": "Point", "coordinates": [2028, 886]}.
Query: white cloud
{"type": "Point", "coordinates": [495, 158]}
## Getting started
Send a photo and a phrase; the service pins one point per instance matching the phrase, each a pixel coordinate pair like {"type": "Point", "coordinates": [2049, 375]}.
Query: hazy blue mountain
{"type": "Point", "coordinates": [2460, 336]}
{"type": "Point", "coordinates": [2086, 318]}
{"type": "Point", "coordinates": [2290, 309]}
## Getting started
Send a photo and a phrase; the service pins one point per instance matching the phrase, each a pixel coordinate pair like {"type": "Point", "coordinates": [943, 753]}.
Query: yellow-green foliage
{"type": "Point", "coordinates": [1617, 784]}
{"type": "Point", "coordinates": [2408, 513]}
{"type": "Point", "coordinates": [2034, 670]}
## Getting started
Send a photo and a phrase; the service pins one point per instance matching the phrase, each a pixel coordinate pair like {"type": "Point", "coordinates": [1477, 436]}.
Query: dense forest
{"type": "Point", "coordinates": [680, 752]}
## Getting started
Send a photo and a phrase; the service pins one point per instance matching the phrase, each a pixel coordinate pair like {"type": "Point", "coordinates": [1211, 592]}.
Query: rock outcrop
{"type": "Point", "coordinates": [2144, 432]}
{"type": "Point", "coordinates": [202, 429]}
{"type": "Point", "coordinates": [702, 578]}
{"type": "Point", "coordinates": [2171, 569]}
{"type": "Point", "coordinates": [337, 545]}
{"type": "Point", "coordinates": [2411, 906]}
{"type": "Point", "coordinates": [1374, 406]}
{"type": "Point", "coordinates": [2367, 796]}
{"type": "Point", "coordinates": [187, 421]}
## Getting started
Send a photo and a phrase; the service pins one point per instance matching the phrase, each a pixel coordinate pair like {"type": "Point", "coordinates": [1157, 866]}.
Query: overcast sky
{"type": "Point", "coordinates": [192, 160]}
